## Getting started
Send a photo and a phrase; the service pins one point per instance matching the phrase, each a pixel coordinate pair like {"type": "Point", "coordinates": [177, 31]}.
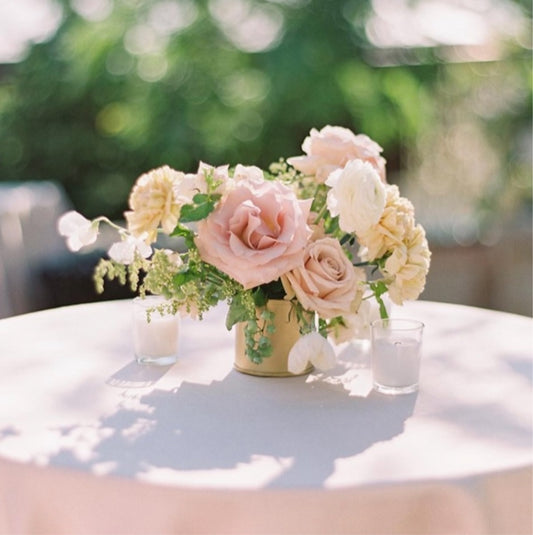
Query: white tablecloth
{"type": "Point", "coordinates": [91, 442]}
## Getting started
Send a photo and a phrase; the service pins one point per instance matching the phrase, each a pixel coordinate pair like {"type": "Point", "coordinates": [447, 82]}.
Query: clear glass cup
{"type": "Point", "coordinates": [155, 341]}
{"type": "Point", "coordinates": [396, 350]}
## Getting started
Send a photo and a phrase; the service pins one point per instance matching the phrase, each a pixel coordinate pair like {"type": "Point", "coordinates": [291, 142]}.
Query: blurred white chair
{"type": "Point", "coordinates": [28, 236]}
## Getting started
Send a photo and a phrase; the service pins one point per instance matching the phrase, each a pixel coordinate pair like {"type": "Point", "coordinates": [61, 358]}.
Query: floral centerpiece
{"type": "Point", "coordinates": [323, 231]}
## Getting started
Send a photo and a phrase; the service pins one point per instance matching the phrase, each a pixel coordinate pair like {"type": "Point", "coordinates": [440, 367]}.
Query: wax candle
{"type": "Point", "coordinates": [396, 346]}
{"type": "Point", "coordinates": [155, 339]}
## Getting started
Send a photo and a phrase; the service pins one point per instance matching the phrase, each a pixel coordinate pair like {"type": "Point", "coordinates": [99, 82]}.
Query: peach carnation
{"type": "Point", "coordinates": [153, 202]}
{"type": "Point", "coordinates": [396, 220]}
{"type": "Point", "coordinates": [408, 266]}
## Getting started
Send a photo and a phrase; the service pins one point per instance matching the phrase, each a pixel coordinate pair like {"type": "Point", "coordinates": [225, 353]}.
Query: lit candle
{"type": "Point", "coordinates": [155, 340]}
{"type": "Point", "coordinates": [396, 345]}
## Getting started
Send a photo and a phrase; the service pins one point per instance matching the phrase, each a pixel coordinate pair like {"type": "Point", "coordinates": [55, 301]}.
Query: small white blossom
{"type": "Point", "coordinates": [220, 174]}
{"type": "Point", "coordinates": [124, 251]}
{"type": "Point", "coordinates": [78, 230]}
{"type": "Point", "coordinates": [313, 348]}
{"type": "Point", "coordinates": [174, 257]}
{"type": "Point", "coordinates": [357, 326]}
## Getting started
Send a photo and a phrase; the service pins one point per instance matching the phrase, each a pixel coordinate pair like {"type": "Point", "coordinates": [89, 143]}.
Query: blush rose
{"type": "Point", "coordinates": [332, 147]}
{"type": "Point", "coordinates": [327, 282]}
{"type": "Point", "coordinates": [257, 232]}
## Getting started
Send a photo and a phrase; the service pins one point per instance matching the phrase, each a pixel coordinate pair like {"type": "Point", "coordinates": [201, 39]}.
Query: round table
{"type": "Point", "coordinates": [92, 442]}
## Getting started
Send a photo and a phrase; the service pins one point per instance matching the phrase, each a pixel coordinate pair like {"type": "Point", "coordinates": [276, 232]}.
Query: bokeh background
{"type": "Point", "coordinates": [95, 92]}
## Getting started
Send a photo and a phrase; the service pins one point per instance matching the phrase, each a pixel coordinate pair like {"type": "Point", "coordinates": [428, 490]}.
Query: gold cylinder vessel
{"type": "Point", "coordinates": [282, 340]}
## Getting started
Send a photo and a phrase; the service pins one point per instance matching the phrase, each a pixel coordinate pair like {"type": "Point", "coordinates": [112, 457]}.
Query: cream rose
{"type": "Point", "coordinates": [357, 196]}
{"type": "Point", "coordinates": [327, 282]}
{"type": "Point", "coordinates": [408, 266]}
{"type": "Point", "coordinates": [332, 147]}
{"type": "Point", "coordinates": [257, 232]}
{"type": "Point", "coordinates": [396, 220]}
{"type": "Point", "coordinates": [154, 202]}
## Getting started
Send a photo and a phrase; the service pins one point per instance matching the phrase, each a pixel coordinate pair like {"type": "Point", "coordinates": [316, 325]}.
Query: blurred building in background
{"type": "Point", "coordinates": [95, 92]}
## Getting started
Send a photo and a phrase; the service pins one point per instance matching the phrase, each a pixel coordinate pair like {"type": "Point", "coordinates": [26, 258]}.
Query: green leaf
{"type": "Point", "coordinates": [379, 288]}
{"type": "Point", "coordinates": [191, 212]}
{"type": "Point", "coordinates": [181, 231]}
{"type": "Point", "coordinates": [236, 313]}
{"type": "Point", "coordinates": [200, 198]}
{"type": "Point", "coordinates": [260, 298]}
{"type": "Point", "coordinates": [183, 277]}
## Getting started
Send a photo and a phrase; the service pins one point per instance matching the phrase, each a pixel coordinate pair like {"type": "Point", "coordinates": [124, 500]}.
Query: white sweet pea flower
{"type": "Point", "coordinates": [357, 196]}
{"type": "Point", "coordinates": [124, 251]}
{"type": "Point", "coordinates": [78, 230]}
{"type": "Point", "coordinates": [313, 348]}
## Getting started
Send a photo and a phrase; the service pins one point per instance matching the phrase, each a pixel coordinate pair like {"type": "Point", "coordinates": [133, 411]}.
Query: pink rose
{"type": "Point", "coordinates": [327, 282]}
{"type": "Point", "coordinates": [257, 232]}
{"type": "Point", "coordinates": [332, 148]}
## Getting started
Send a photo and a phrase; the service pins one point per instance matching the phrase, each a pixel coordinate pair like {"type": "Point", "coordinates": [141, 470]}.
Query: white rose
{"type": "Point", "coordinates": [78, 230]}
{"type": "Point", "coordinates": [313, 348]}
{"type": "Point", "coordinates": [357, 196]}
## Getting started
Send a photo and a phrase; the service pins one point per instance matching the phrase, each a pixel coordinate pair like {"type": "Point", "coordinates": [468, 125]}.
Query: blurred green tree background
{"type": "Point", "coordinates": [124, 86]}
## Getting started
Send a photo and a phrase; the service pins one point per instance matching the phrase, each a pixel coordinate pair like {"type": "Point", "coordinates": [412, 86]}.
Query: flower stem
{"type": "Point", "coordinates": [321, 214]}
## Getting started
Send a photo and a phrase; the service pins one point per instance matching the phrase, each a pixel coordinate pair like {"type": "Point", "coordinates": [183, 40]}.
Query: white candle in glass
{"type": "Point", "coordinates": [155, 341]}
{"type": "Point", "coordinates": [396, 345]}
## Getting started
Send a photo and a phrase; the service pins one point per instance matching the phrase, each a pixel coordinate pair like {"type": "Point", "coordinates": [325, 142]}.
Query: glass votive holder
{"type": "Point", "coordinates": [396, 349]}
{"type": "Point", "coordinates": [155, 332]}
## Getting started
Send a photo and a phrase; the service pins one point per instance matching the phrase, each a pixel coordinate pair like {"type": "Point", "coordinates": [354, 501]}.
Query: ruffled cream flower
{"type": "Point", "coordinates": [154, 202]}
{"type": "Point", "coordinates": [408, 266]}
{"type": "Point", "coordinates": [397, 219]}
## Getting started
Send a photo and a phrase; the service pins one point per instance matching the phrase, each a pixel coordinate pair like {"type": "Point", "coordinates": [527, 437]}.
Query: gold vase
{"type": "Point", "coordinates": [282, 340]}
